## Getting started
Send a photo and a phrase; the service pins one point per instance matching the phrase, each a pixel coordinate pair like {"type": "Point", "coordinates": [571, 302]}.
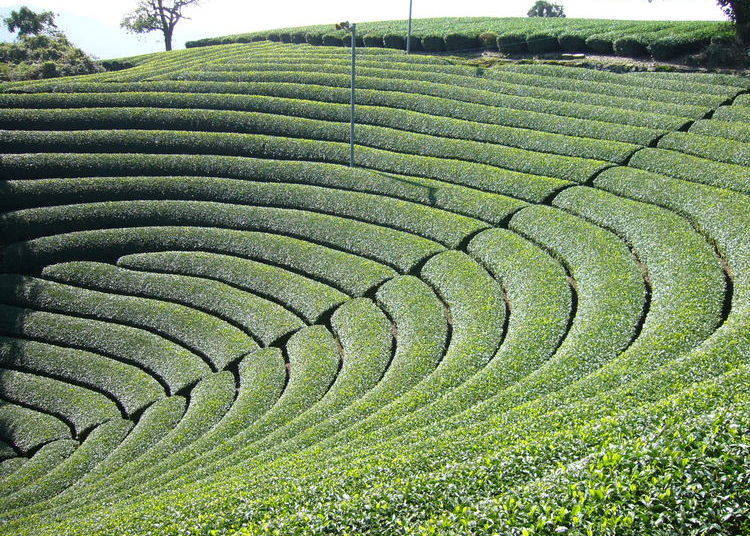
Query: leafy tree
{"type": "Point", "coordinates": [542, 8]}
{"type": "Point", "coordinates": [26, 22]}
{"type": "Point", "coordinates": [738, 11]}
{"type": "Point", "coordinates": [157, 15]}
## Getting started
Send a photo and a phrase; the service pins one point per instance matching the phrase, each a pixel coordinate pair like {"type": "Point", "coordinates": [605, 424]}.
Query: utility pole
{"type": "Point", "coordinates": [351, 28]}
{"type": "Point", "coordinates": [408, 33]}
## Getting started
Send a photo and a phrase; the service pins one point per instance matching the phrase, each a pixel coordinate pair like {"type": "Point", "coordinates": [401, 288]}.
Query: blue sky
{"type": "Point", "coordinates": [94, 24]}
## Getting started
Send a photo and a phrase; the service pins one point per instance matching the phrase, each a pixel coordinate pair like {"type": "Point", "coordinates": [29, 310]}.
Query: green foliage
{"type": "Point", "coordinates": [26, 22]}
{"type": "Point", "coordinates": [542, 8]}
{"type": "Point", "coordinates": [44, 56]}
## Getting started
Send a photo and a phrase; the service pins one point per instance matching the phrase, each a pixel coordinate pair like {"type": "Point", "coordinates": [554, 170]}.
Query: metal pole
{"type": "Point", "coordinates": [351, 126]}
{"type": "Point", "coordinates": [408, 33]}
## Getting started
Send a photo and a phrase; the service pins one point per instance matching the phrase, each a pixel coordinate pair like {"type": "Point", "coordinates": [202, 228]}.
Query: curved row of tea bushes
{"type": "Point", "coordinates": [264, 320]}
{"type": "Point", "coordinates": [720, 150]}
{"type": "Point", "coordinates": [421, 327]}
{"type": "Point", "coordinates": [401, 154]}
{"type": "Point", "coordinates": [469, 104]}
{"type": "Point", "coordinates": [692, 168]}
{"type": "Point", "coordinates": [385, 245]}
{"type": "Point", "coordinates": [27, 429]}
{"type": "Point", "coordinates": [727, 87]}
{"type": "Point", "coordinates": [172, 366]}
{"type": "Point", "coordinates": [81, 409]}
{"type": "Point", "coordinates": [216, 184]}
{"type": "Point", "coordinates": [431, 114]}
{"type": "Point", "coordinates": [206, 336]}
{"type": "Point", "coordinates": [442, 85]}
{"type": "Point", "coordinates": [96, 447]}
{"type": "Point", "coordinates": [262, 379]}
{"type": "Point", "coordinates": [44, 460]}
{"type": "Point", "coordinates": [663, 40]}
{"type": "Point", "coordinates": [351, 274]}
{"type": "Point", "coordinates": [265, 123]}
{"type": "Point", "coordinates": [131, 388]}
{"type": "Point", "coordinates": [310, 299]}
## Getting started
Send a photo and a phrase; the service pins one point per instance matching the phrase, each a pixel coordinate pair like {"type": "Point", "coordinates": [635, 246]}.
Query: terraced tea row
{"type": "Point", "coordinates": [208, 323]}
{"type": "Point", "coordinates": [661, 39]}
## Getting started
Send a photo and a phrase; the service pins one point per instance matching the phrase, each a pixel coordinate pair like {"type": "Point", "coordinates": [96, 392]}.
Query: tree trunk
{"type": "Point", "coordinates": [168, 39]}
{"type": "Point", "coordinates": [741, 10]}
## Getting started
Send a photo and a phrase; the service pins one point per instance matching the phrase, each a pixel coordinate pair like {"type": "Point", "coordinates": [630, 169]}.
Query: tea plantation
{"type": "Point", "coordinates": [662, 40]}
{"type": "Point", "coordinates": [525, 312]}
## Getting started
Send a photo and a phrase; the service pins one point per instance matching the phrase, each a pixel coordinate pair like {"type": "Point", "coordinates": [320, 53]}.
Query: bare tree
{"type": "Point", "coordinates": [157, 15]}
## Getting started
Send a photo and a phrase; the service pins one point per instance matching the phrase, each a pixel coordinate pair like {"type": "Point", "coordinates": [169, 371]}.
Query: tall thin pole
{"type": "Point", "coordinates": [351, 101]}
{"type": "Point", "coordinates": [408, 33]}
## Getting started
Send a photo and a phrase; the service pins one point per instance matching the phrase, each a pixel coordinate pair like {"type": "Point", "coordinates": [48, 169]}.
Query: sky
{"type": "Point", "coordinates": [94, 25]}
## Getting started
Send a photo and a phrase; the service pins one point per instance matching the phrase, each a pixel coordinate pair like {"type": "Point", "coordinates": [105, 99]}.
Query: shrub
{"type": "Point", "coordinates": [433, 43]}
{"type": "Point", "coordinates": [488, 40]}
{"type": "Point", "coordinates": [512, 43]}
{"type": "Point", "coordinates": [572, 41]}
{"type": "Point", "coordinates": [391, 40]}
{"type": "Point", "coordinates": [334, 40]}
{"type": "Point", "coordinates": [457, 41]}
{"type": "Point", "coordinates": [314, 39]}
{"type": "Point", "coordinates": [299, 37]}
{"type": "Point", "coordinates": [541, 43]}
{"type": "Point", "coordinates": [630, 45]}
{"type": "Point", "coordinates": [373, 40]}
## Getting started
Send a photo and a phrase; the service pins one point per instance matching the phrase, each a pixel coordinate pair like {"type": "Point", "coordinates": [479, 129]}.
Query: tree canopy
{"type": "Point", "coordinates": [542, 8]}
{"type": "Point", "coordinates": [157, 15]}
{"type": "Point", "coordinates": [27, 22]}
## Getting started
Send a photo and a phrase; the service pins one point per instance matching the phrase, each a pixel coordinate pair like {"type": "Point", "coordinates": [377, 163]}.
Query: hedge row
{"type": "Point", "coordinates": [27, 429]}
{"type": "Point", "coordinates": [735, 112]}
{"type": "Point", "coordinates": [716, 128]}
{"type": "Point", "coordinates": [297, 293]}
{"type": "Point", "coordinates": [173, 366]}
{"type": "Point", "coordinates": [265, 320]}
{"type": "Point", "coordinates": [428, 130]}
{"type": "Point", "coordinates": [725, 87]}
{"type": "Point", "coordinates": [223, 126]}
{"type": "Point", "coordinates": [133, 389]}
{"type": "Point", "coordinates": [551, 170]}
{"type": "Point", "coordinates": [539, 306]}
{"type": "Point", "coordinates": [397, 249]}
{"type": "Point", "coordinates": [262, 378]}
{"type": "Point", "coordinates": [44, 460]}
{"type": "Point", "coordinates": [157, 421]}
{"type": "Point", "coordinates": [445, 227]}
{"type": "Point", "coordinates": [486, 206]}
{"type": "Point", "coordinates": [374, 107]}
{"type": "Point", "coordinates": [98, 444]}
{"type": "Point", "coordinates": [350, 273]}
{"type": "Point", "coordinates": [476, 309]}
{"type": "Point", "coordinates": [694, 169]}
{"type": "Point", "coordinates": [421, 327]}
{"type": "Point", "coordinates": [497, 82]}
{"type": "Point", "coordinates": [509, 35]}
{"type": "Point", "coordinates": [709, 147]}
{"type": "Point", "coordinates": [596, 82]}
{"type": "Point", "coordinates": [202, 334]}
{"type": "Point", "coordinates": [209, 402]}
{"type": "Point", "coordinates": [471, 104]}
{"type": "Point", "coordinates": [80, 408]}
{"type": "Point", "coordinates": [365, 337]}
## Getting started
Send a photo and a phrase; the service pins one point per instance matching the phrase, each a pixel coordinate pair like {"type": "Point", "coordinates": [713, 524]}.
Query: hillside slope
{"type": "Point", "coordinates": [526, 311]}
